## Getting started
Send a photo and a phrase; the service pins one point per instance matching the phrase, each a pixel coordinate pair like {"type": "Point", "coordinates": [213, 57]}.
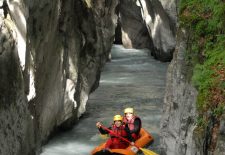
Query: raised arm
{"type": "Point", "coordinates": [102, 131]}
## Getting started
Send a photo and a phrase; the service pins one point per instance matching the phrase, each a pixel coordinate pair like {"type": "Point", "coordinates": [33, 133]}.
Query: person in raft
{"type": "Point", "coordinates": [133, 122]}
{"type": "Point", "coordinates": [119, 129]}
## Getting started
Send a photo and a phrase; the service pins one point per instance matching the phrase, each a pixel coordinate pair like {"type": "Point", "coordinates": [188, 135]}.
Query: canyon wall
{"type": "Point", "coordinates": [149, 24]}
{"type": "Point", "coordinates": [16, 121]}
{"type": "Point", "coordinates": [51, 58]}
{"type": "Point", "coordinates": [178, 122]}
{"type": "Point", "coordinates": [191, 123]}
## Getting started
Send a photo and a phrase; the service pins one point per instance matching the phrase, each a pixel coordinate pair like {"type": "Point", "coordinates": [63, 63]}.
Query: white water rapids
{"type": "Point", "coordinates": [131, 79]}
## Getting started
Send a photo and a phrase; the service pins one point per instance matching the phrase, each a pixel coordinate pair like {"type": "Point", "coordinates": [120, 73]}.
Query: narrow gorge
{"type": "Point", "coordinates": [53, 55]}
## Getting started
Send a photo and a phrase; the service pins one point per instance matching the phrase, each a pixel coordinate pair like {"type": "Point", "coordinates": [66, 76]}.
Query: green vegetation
{"type": "Point", "coordinates": [205, 20]}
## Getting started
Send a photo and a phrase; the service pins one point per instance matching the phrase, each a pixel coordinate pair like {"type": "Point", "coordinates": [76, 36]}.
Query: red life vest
{"type": "Point", "coordinates": [130, 124]}
{"type": "Point", "coordinates": [115, 142]}
{"type": "Point", "coordinates": [119, 130]}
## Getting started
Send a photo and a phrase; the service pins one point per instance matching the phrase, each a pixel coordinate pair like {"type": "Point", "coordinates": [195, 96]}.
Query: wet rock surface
{"type": "Point", "coordinates": [130, 79]}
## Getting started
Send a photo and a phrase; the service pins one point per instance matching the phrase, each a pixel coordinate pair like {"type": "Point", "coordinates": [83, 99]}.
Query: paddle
{"type": "Point", "coordinates": [145, 151]}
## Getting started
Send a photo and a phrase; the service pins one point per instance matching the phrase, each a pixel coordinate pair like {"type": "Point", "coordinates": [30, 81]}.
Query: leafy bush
{"type": "Point", "coordinates": [205, 20]}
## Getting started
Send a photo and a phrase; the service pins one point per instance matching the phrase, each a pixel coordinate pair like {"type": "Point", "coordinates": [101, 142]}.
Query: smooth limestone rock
{"type": "Point", "coordinates": [134, 31]}
{"type": "Point", "coordinates": [171, 8]}
{"type": "Point", "coordinates": [160, 28]}
{"type": "Point", "coordinates": [61, 47]}
{"type": "Point", "coordinates": [145, 24]}
{"type": "Point", "coordinates": [68, 44]}
{"type": "Point", "coordinates": [16, 124]}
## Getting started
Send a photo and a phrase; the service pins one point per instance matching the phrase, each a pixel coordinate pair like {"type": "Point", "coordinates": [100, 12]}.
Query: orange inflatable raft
{"type": "Point", "coordinates": [145, 138]}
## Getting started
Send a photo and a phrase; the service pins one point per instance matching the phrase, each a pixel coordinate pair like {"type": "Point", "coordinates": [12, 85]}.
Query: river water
{"type": "Point", "coordinates": [131, 79]}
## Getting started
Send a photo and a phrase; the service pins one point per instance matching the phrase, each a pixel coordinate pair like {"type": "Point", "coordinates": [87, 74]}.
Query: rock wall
{"type": "Point", "coordinates": [220, 147]}
{"type": "Point", "coordinates": [58, 51]}
{"type": "Point", "coordinates": [171, 8]}
{"type": "Point", "coordinates": [133, 27]}
{"type": "Point", "coordinates": [179, 131]}
{"type": "Point", "coordinates": [16, 124]}
{"type": "Point", "coordinates": [161, 29]}
{"type": "Point", "coordinates": [68, 44]}
{"type": "Point", "coordinates": [178, 122]}
{"type": "Point", "coordinates": [149, 24]}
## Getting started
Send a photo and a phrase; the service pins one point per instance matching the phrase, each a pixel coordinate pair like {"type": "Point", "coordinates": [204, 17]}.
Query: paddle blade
{"type": "Point", "coordinates": [147, 152]}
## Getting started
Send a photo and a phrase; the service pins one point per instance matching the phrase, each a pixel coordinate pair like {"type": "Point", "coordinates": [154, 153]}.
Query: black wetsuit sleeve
{"type": "Point", "coordinates": [102, 131]}
{"type": "Point", "coordinates": [137, 125]}
{"type": "Point", "coordinates": [129, 137]}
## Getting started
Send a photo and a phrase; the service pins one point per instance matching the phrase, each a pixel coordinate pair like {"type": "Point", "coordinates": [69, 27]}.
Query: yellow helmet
{"type": "Point", "coordinates": [128, 110]}
{"type": "Point", "coordinates": [117, 118]}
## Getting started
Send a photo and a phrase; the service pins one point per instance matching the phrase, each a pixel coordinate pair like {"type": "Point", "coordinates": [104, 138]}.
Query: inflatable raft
{"type": "Point", "coordinates": [145, 138]}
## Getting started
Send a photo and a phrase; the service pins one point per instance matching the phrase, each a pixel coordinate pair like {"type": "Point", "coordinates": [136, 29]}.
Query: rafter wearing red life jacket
{"type": "Point", "coordinates": [134, 125]}
{"type": "Point", "coordinates": [115, 142]}
{"type": "Point", "coordinates": [118, 128]}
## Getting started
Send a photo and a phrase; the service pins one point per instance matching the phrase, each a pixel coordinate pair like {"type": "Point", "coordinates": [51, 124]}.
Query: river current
{"type": "Point", "coordinates": [131, 79]}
